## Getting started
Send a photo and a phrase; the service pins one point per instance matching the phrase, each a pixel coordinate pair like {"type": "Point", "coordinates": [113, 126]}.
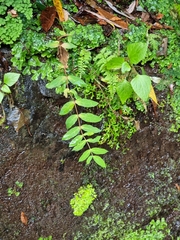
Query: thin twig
{"type": "Point", "coordinates": [119, 12]}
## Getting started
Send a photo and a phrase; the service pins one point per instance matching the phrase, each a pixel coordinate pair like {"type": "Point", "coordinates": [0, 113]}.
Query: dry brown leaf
{"type": "Point", "coordinates": [152, 95]}
{"type": "Point", "coordinates": [109, 16]}
{"type": "Point", "coordinates": [13, 13]}
{"type": "Point", "coordinates": [137, 125]}
{"type": "Point", "coordinates": [47, 18]}
{"type": "Point", "coordinates": [120, 12]}
{"type": "Point", "coordinates": [118, 22]}
{"type": "Point", "coordinates": [66, 15]}
{"type": "Point", "coordinates": [159, 16]}
{"type": "Point", "coordinates": [18, 118]}
{"type": "Point", "coordinates": [164, 46]}
{"type": "Point", "coordinates": [92, 3]}
{"type": "Point", "coordinates": [145, 16]}
{"type": "Point", "coordinates": [24, 218]}
{"type": "Point", "coordinates": [85, 18]}
{"type": "Point", "coordinates": [63, 56]}
{"type": "Point", "coordinates": [131, 7]}
{"type": "Point", "coordinates": [102, 22]}
{"type": "Point", "coordinates": [177, 186]}
{"type": "Point", "coordinates": [159, 26]}
{"type": "Point", "coordinates": [4, 62]}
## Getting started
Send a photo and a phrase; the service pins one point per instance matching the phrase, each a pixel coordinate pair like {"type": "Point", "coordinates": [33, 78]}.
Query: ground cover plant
{"type": "Point", "coordinates": [105, 79]}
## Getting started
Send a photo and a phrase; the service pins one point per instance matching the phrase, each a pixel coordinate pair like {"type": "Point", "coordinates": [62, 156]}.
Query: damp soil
{"type": "Point", "coordinates": [140, 182]}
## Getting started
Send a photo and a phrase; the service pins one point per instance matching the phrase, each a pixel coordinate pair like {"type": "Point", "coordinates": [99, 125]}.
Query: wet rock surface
{"type": "Point", "coordinates": [138, 182]}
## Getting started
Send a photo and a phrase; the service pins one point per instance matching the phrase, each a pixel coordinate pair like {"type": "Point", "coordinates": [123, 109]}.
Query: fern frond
{"type": "Point", "coordinates": [83, 62]}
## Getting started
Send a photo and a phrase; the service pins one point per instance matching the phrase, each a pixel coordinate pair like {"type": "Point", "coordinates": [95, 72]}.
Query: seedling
{"type": "Point", "coordinates": [45, 238]}
{"type": "Point", "coordinates": [9, 80]}
{"type": "Point", "coordinates": [19, 184]}
{"type": "Point", "coordinates": [14, 191]}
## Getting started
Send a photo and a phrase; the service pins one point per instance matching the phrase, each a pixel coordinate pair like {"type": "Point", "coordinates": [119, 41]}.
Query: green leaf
{"type": "Point", "coordinates": [53, 44]}
{"type": "Point", "coordinates": [11, 78]}
{"type": "Point", "coordinates": [136, 51]}
{"type": "Point", "coordinates": [89, 128]}
{"type": "Point", "coordinates": [57, 82]}
{"type": "Point", "coordinates": [67, 107]}
{"type": "Point", "coordinates": [97, 150]}
{"type": "Point", "coordinates": [89, 160]}
{"type": "Point", "coordinates": [71, 120]}
{"type": "Point", "coordinates": [85, 155]}
{"type": "Point", "coordinates": [99, 161]}
{"type": "Point", "coordinates": [89, 117]}
{"type": "Point", "coordinates": [86, 102]}
{"type": "Point", "coordinates": [68, 45]}
{"type": "Point", "coordinates": [124, 90]}
{"type": "Point", "coordinates": [34, 62]}
{"type": "Point", "coordinates": [75, 140]}
{"type": "Point", "coordinates": [94, 140]}
{"type": "Point", "coordinates": [71, 133]}
{"type": "Point", "coordinates": [5, 89]}
{"type": "Point", "coordinates": [141, 85]}
{"type": "Point", "coordinates": [79, 146]}
{"type": "Point", "coordinates": [114, 63]}
{"type": "Point", "coordinates": [125, 67]}
{"type": "Point", "coordinates": [1, 96]}
{"type": "Point", "coordinates": [76, 81]}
